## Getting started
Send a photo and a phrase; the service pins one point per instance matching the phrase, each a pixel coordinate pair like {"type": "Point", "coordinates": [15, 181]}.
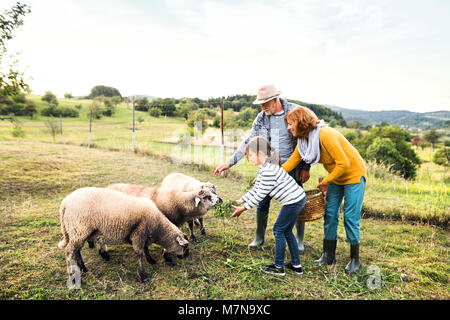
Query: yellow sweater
{"type": "Point", "coordinates": [342, 161]}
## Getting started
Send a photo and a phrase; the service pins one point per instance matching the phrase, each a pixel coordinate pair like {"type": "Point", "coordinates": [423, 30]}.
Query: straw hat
{"type": "Point", "coordinates": [266, 93]}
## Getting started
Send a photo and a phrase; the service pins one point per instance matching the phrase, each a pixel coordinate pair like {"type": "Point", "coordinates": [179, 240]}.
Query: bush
{"type": "Point", "coordinates": [154, 112]}
{"type": "Point", "coordinates": [55, 111]}
{"type": "Point", "coordinates": [384, 151]}
{"type": "Point", "coordinates": [17, 131]}
{"type": "Point", "coordinates": [442, 156]}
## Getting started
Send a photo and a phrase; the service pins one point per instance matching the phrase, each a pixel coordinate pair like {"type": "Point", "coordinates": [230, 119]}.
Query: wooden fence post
{"type": "Point", "coordinates": [90, 130]}
{"type": "Point", "coordinates": [60, 128]}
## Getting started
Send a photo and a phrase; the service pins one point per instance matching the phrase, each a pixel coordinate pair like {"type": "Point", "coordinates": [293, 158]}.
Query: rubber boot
{"type": "Point", "coordinates": [300, 227]}
{"type": "Point", "coordinates": [329, 253]}
{"type": "Point", "coordinates": [354, 265]}
{"type": "Point", "coordinates": [261, 224]}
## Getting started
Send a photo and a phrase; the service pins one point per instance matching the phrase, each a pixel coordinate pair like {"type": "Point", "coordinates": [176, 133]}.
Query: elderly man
{"type": "Point", "coordinates": [270, 124]}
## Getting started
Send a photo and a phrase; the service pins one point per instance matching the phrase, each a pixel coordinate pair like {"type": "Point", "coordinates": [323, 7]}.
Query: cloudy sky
{"type": "Point", "coordinates": [360, 54]}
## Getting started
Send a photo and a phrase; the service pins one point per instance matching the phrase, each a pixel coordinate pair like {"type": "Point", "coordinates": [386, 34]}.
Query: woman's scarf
{"type": "Point", "coordinates": [309, 149]}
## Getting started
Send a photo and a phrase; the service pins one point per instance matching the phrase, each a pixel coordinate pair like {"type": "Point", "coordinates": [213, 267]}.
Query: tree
{"type": "Point", "coordinates": [432, 137]}
{"type": "Point", "coordinates": [142, 104]}
{"type": "Point", "coordinates": [104, 91]}
{"type": "Point", "coordinates": [96, 108]}
{"type": "Point", "coordinates": [50, 98]}
{"type": "Point", "coordinates": [12, 82]}
{"type": "Point", "coordinates": [30, 109]}
{"type": "Point", "coordinates": [384, 151]}
{"type": "Point", "coordinates": [193, 121]}
{"type": "Point", "coordinates": [68, 95]}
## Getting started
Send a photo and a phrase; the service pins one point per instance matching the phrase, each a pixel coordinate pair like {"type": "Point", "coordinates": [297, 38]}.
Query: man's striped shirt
{"type": "Point", "coordinates": [272, 180]}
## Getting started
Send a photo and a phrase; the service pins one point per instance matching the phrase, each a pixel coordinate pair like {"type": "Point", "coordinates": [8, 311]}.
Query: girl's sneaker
{"type": "Point", "coordinates": [297, 270]}
{"type": "Point", "coordinates": [272, 269]}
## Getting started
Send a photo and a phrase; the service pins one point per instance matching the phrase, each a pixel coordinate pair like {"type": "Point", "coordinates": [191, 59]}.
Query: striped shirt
{"type": "Point", "coordinates": [272, 180]}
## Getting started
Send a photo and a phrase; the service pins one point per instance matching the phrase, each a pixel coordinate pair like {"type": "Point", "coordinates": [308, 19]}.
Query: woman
{"type": "Point", "coordinates": [346, 179]}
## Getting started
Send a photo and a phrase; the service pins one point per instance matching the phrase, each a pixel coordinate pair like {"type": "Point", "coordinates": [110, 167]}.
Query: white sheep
{"type": "Point", "coordinates": [112, 217]}
{"type": "Point", "coordinates": [186, 183]}
{"type": "Point", "coordinates": [178, 206]}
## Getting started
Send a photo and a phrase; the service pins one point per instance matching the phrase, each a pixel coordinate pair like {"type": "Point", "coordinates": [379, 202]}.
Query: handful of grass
{"type": "Point", "coordinates": [225, 209]}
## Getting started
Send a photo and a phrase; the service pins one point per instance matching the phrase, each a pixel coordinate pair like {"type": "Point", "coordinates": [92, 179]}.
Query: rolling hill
{"type": "Point", "coordinates": [407, 119]}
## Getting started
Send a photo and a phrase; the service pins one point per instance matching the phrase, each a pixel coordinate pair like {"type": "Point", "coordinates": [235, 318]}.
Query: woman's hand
{"type": "Point", "coordinates": [253, 181]}
{"type": "Point", "coordinates": [304, 175]}
{"type": "Point", "coordinates": [323, 188]}
{"type": "Point", "coordinates": [238, 210]}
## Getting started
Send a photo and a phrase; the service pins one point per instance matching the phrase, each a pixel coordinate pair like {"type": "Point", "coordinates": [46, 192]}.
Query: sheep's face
{"type": "Point", "coordinates": [206, 199]}
{"type": "Point", "coordinates": [212, 188]}
{"type": "Point", "coordinates": [182, 246]}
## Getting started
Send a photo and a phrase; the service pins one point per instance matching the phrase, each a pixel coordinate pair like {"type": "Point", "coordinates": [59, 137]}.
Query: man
{"type": "Point", "coordinates": [270, 124]}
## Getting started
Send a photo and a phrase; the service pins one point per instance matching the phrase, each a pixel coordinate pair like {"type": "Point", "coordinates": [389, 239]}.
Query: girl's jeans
{"type": "Point", "coordinates": [353, 195]}
{"type": "Point", "coordinates": [282, 231]}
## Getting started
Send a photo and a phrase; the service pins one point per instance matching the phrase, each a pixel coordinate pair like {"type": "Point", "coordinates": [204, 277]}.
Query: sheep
{"type": "Point", "coordinates": [112, 217]}
{"type": "Point", "coordinates": [176, 205]}
{"type": "Point", "coordinates": [186, 183]}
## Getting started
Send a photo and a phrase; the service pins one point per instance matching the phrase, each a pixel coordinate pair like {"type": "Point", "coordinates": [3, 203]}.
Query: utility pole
{"type": "Point", "coordinates": [222, 147]}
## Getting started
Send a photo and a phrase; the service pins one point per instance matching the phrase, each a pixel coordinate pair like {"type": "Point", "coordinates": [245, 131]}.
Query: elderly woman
{"type": "Point", "coordinates": [346, 179]}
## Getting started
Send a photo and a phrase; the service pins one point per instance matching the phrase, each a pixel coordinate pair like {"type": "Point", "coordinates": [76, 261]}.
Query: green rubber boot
{"type": "Point", "coordinates": [354, 265]}
{"type": "Point", "coordinates": [329, 253]}
{"type": "Point", "coordinates": [300, 227]}
{"type": "Point", "coordinates": [261, 224]}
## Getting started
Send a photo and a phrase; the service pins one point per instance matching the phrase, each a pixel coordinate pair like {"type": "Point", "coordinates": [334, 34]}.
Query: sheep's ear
{"type": "Point", "coordinates": [181, 241]}
{"type": "Point", "coordinates": [201, 192]}
{"type": "Point", "coordinates": [197, 201]}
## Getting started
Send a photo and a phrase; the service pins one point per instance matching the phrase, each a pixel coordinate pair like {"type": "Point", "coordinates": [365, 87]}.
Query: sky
{"type": "Point", "coordinates": [358, 54]}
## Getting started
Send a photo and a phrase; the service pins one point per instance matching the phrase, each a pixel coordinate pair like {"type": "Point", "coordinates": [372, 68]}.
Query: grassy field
{"type": "Point", "coordinates": [424, 200]}
{"type": "Point", "coordinates": [413, 259]}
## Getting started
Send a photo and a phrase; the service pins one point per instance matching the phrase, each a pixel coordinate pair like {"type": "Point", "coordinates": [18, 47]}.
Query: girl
{"type": "Point", "coordinates": [274, 181]}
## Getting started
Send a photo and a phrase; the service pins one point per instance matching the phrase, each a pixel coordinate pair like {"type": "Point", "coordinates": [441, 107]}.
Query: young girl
{"type": "Point", "coordinates": [274, 181]}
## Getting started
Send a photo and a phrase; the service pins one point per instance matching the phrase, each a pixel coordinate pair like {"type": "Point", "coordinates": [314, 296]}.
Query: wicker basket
{"type": "Point", "coordinates": [314, 208]}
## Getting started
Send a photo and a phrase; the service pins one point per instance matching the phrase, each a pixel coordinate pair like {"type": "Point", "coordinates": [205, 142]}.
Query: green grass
{"type": "Point", "coordinates": [34, 177]}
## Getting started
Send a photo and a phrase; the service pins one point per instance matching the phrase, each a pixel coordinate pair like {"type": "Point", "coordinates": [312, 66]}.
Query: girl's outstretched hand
{"type": "Point", "coordinates": [238, 210]}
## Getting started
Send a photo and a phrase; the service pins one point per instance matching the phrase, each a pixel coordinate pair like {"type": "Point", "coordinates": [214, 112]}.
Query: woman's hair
{"type": "Point", "coordinates": [261, 144]}
{"type": "Point", "coordinates": [304, 120]}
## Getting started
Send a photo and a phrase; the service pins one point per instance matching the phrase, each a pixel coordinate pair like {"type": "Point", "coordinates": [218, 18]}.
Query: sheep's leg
{"type": "Point", "coordinates": [148, 257]}
{"type": "Point", "coordinates": [138, 239]}
{"type": "Point", "coordinates": [168, 259]}
{"type": "Point", "coordinates": [99, 242]}
{"type": "Point", "coordinates": [202, 228]}
{"type": "Point", "coordinates": [72, 257]}
{"type": "Point", "coordinates": [80, 261]}
{"type": "Point", "coordinates": [191, 228]}
{"type": "Point", "coordinates": [141, 271]}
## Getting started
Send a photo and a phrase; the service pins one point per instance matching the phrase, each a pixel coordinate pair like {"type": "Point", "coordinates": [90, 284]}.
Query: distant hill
{"type": "Point", "coordinates": [406, 119]}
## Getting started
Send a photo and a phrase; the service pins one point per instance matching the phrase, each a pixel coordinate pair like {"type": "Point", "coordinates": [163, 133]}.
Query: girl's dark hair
{"type": "Point", "coordinates": [261, 144]}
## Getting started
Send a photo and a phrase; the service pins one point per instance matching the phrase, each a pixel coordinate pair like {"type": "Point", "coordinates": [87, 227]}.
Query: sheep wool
{"type": "Point", "coordinates": [112, 217]}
